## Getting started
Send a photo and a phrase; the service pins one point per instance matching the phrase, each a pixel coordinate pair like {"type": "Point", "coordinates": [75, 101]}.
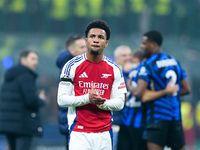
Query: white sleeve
{"type": "Point", "coordinates": [116, 103]}
{"type": "Point", "coordinates": [65, 98]}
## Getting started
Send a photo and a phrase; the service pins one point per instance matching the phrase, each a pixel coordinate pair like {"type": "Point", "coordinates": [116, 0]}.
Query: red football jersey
{"type": "Point", "coordinates": [107, 77]}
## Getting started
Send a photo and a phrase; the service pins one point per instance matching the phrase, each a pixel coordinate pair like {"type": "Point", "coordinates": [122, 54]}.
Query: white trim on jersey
{"type": "Point", "coordinates": [67, 67]}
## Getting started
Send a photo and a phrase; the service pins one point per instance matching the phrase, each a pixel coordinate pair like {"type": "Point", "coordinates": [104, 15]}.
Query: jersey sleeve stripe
{"type": "Point", "coordinates": [72, 62]}
{"type": "Point", "coordinates": [68, 67]}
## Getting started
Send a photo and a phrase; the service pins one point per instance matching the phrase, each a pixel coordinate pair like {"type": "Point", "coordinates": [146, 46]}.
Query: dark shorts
{"type": "Point", "coordinates": [130, 138]}
{"type": "Point", "coordinates": [165, 133]}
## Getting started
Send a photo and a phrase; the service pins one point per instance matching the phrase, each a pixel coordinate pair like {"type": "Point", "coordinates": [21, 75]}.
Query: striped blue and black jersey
{"type": "Point", "coordinates": [157, 71]}
{"type": "Point", "coordinates": [133, 110]}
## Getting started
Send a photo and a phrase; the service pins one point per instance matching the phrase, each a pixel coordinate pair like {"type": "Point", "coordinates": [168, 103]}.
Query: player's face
{"type": "Point", "coordinates": [124, 56]}
{"type": "Point", "coordinates": [147, 47]}
{"type": "Point", "coordinates": [96, 41]}
{"type": "Point", "coordinates": [31, 61]}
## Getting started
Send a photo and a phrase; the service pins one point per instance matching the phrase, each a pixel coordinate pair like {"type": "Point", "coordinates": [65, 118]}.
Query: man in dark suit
{"type": "Point", "coordinates": [20, 103]}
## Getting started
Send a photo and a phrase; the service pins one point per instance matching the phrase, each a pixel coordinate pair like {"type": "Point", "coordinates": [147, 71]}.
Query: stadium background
{"type": "Point", "coordinates": [44, 25]}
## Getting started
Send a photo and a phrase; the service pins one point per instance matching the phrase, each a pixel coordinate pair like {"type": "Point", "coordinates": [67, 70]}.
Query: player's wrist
{"type": "Point", "coordinates": [165, 91]}
{"type": "Point", "coordinates": [86, 98]}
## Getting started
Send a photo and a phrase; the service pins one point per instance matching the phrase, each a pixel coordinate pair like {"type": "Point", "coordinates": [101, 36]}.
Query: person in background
{"type": "Point", "coordinates": [20, 103]}
{"type": "Point", "coordinates": [75, 46]}
{"type": "Point", "coordinates": [122, 55]}
{"type": "Point", "coordinates": [133, 117]}
{"type": "Point", "coordinates": [92, 86]}
{"type": "Point", "coordinates": [163, 114]}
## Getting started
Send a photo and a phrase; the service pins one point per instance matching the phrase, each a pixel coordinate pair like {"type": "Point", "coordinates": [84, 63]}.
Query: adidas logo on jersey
{"type": "Point", "coordinates": [83, 75]}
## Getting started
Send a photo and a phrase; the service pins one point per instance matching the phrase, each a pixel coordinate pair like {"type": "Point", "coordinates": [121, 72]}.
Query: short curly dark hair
{"type": "Point", "coordinates": [98, 24]}
{"type": "Point", "coordinates": [154, 36]}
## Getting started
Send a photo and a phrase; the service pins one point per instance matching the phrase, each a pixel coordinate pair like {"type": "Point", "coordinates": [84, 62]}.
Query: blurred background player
{"type": "Point", "coordinates": [75, 45]}
{"type": "Point", "coordinates": [163, 115]}
{"type": "Point", "coordinates": [122, 55]}
{"type": "Point", "coordinates": [133, 117]}
{"type": "Point", "coordinates": [20, 103]}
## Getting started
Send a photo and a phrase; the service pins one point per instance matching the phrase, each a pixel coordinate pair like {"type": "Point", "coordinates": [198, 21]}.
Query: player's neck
{"type": "Point", "coordinates": [94, 58]}
{"type": "Point", "coordinates": [157, 51]}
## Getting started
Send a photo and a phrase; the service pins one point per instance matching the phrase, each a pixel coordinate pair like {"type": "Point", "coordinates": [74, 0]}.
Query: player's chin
{"type": "Point", "coordinates": [95, 52]}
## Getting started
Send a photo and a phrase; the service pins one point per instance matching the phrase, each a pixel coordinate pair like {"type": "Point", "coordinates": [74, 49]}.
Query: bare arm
{"type": "Point", "coordinates": [185, 87]}
{"type": "Point", "coordinates": [151, 95]}
{"type": "Point", "coordinates": [170, 89]}
{"type": "Point", "coordinates": [139, 90]}
{"type": "Point", "coordinates": [146, 95]}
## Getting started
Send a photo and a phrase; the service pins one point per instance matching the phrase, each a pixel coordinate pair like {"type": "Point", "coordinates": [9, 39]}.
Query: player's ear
{"type": "Point", "coordinates": [86, 41]}
{"type": "Point", "coordinates": [106, 43]}
{"type": "Point", "coordinates": [23, 60]}
{"type": "Point", "coordinates": [155, 44]}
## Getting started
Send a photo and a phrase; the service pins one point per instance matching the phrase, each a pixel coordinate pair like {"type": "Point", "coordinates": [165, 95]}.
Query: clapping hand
{"type": "Point", "coordinates": [94, 96]}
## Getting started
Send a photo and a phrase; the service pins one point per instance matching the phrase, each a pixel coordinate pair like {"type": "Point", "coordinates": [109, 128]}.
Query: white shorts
{"type": "Point", "coordinates": [90, 141]}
